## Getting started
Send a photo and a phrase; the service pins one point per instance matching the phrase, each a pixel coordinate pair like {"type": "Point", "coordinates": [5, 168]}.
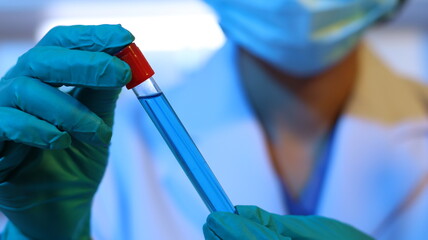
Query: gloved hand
{"type": "Point", "coordinates": [253, 223]}
{"type": "Point", "coordinates": [54, 145]}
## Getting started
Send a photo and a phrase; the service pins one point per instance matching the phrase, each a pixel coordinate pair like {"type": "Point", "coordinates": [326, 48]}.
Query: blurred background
{"type": "Point", "coordinates": [179, 35]}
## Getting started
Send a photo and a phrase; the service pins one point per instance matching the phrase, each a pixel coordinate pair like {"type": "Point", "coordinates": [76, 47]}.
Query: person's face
{"type": "Point", "coordinates": [299, 37]}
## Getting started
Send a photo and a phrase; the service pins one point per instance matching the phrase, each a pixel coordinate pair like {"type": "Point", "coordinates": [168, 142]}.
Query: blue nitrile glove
{"type": "Point", "coordinates": [254, 223]}
{"type": "Point", "coordinates": [54, 145]}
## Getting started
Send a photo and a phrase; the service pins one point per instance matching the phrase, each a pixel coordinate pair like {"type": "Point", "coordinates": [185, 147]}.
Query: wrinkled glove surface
{"type": "Point", "coordinates": [253, 223]}
{"type": "Point", "coordinates": [54, 145]}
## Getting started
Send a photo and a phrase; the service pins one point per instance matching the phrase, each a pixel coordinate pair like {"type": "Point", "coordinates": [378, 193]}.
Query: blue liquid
{"type": "Point", "coordinates": [186, 152]}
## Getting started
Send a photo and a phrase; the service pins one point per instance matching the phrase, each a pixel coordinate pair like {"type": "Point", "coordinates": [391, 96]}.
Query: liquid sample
{"type": "Point", "coordinates": [186, 152]}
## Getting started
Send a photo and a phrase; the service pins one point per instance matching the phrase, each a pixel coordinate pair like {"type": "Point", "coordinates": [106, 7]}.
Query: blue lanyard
{"type": "Point", "coordinates": [307, 202]}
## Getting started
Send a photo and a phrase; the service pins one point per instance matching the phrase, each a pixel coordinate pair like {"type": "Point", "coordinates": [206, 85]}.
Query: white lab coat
{"type": "Point", "coordinates": [377, 180]}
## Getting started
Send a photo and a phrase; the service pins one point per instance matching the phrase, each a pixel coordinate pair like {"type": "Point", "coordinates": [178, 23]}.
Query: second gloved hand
{"type": "Point", "coordinates": [253, 223]}
{"type": "Point", "coordinates": [54, 145]}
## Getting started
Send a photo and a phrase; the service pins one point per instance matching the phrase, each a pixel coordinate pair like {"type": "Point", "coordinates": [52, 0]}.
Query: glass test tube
{"type": "Point", "coordinates": [173, 131]}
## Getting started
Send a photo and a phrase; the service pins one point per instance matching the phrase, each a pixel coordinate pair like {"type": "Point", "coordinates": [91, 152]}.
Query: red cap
{"type": "Point", "coordinates": [140, 68]}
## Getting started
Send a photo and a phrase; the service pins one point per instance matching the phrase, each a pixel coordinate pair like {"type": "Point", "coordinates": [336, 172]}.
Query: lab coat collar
{"type": "Point", "coordinates": [373, 167]}
{"type": "Point", "coordinates": [380, 150]}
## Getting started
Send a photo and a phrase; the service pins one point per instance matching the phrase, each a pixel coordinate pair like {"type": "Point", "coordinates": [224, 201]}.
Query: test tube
{"type": "Point", "coordinates": [173, 132]}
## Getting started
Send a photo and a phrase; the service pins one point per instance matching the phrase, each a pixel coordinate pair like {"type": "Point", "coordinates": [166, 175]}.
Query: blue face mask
{"type": "Point", "coordinates": [299, 37]}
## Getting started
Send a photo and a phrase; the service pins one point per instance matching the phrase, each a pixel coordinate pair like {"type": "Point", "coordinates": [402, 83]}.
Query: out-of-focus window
{"type": "Point", "coordinates": [176, 36]}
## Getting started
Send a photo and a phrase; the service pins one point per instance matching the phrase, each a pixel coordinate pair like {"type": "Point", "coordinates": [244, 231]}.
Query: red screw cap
{"type": "Point", "coordinates": [140, 68]}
